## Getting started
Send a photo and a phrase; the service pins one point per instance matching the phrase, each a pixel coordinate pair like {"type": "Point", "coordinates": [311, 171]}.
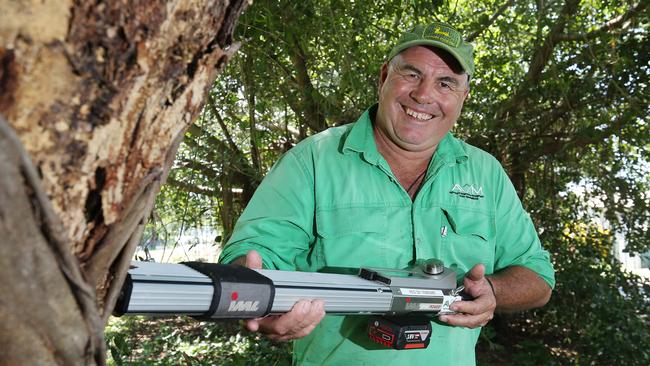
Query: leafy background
{"type": "Point", "coordinates": [560, 97]}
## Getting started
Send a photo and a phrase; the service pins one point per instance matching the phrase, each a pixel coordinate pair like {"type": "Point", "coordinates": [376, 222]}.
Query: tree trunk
{"type": "Point", "coordinates": [97, 97]}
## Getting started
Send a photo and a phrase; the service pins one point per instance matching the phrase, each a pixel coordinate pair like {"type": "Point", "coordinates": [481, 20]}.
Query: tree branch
{"type": "Point", "coordinates": [543, 52]}
{"type": "Point", "coordinates": [273, 57]}
{"type": "Point", "coordinates": [612, 24]}
{"type": "Point", "coordinates": [540, 58]}
{"type": "Point", "coordinates": [192, 188]}
{"type": "Point", "coordinates": [250, 90]}
{"type": "Point", "coordinates": [210, 105]}
{"type": "Point", "coordinates": [494, 17]}
{"type": "Point", "coordinates": [201, 168]}
{"type": "Point", "coordinates": [584, 137]}
{"type": "Point", "coordinates": [315, 118]}
{"type": "Point", "coordinates": [197, 131]}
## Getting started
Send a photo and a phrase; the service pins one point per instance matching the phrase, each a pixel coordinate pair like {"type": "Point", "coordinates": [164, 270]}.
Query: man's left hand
{"type": "Point", "coordinates": [478, 312]}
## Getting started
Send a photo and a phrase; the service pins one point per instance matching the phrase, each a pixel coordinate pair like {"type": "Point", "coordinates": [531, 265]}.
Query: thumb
{"type": "Point", "coordinates": [253, 260]}
{"type": "Point", "coordinates": [476, 273]}
{"type": "Point", "coordinates": [252, 325]}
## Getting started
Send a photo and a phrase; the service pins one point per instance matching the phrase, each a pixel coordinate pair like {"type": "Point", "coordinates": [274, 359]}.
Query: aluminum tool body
{"type": "Point", "coordinates": [220, 291]}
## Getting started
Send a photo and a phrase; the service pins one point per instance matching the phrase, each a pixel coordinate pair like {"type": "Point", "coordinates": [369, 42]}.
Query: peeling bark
{"type": "Point", "coordinates": [97, 97]}
{"type": "Point", "coordinates": [41, 279]}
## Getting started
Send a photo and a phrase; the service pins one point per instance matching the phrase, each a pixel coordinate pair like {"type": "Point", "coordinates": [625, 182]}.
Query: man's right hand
{"type": "Point", "coordinates": [297, 323]}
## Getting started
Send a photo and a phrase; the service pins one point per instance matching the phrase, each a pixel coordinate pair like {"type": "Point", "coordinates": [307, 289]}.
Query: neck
{"type": "Point", "coordinates": [409, 167]}
{"type": "Point", "coordinates": [399, 158]}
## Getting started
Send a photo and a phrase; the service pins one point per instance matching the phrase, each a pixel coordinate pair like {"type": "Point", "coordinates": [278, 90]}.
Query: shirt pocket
{"type": "Point", "coordinates": [468, 238]}
{"type": "Point", "coordinates": [351, 236]}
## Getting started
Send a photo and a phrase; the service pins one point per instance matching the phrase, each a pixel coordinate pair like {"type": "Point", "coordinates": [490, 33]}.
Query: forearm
{"type": "Point", "coordinates": [518, 288]}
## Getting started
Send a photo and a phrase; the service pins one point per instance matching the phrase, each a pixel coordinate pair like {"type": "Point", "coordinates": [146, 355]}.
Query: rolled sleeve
{"type": "Point", "coordinates": [517, 242]}
{"type": "Point", "coordinates": [278, 221]}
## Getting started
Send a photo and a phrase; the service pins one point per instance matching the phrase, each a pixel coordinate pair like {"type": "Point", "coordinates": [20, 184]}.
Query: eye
{"type": "Point", "coordinates": [446, 87]}
{"type": "Point", "coordinates": [412, 76]}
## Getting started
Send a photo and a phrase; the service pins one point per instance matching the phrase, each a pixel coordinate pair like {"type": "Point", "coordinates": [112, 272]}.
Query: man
{"type": "Point", "coordinates": [394, 187]}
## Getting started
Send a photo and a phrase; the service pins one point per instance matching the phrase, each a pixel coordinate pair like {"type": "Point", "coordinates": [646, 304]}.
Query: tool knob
{"type": "Point", "coordinates": [433, 266]}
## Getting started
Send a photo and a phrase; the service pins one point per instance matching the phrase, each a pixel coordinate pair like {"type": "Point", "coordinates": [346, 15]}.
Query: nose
{"type": "Point", "coordinates": [423, 93]}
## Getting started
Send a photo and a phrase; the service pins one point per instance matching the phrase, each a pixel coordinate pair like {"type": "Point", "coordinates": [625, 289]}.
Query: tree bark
{"type": "Point", "coordinates": [97, 97]}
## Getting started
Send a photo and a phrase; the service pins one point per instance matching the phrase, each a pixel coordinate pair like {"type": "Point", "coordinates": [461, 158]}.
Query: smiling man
{"type": "Point", "coordinates": [394, 187]}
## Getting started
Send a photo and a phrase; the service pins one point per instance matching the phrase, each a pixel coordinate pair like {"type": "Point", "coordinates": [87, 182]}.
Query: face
{"type": "Point", "coordinates": [421, 94]}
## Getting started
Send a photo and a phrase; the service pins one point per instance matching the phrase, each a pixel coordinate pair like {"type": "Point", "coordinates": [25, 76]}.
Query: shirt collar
{"type": "Point", "coordinates": [451, 150]}
{"type": "Point", "coordinates": [361, 139]}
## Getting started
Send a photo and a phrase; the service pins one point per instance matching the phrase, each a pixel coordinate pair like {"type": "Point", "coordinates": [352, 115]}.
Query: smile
{"type": "Point", "coordinates": [418, 115]}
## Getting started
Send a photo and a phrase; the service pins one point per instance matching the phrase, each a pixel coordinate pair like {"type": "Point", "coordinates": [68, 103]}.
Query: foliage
{"type": "Point", "coordinates": [561, 97]}
{"type": "Point", "coordinates": [598, 314]}
{"type": "Point", "coordinates": [184, 341]}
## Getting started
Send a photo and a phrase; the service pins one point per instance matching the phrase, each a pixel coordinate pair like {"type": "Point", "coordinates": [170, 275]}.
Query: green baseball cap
{"type": "Point", "coordinates": [440, 35]}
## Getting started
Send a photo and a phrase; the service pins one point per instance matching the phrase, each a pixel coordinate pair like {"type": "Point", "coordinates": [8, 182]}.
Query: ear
{"type": "Point", "coordinates": [466, 94]}
{"type": "Point", "coordinates": [383, 74]}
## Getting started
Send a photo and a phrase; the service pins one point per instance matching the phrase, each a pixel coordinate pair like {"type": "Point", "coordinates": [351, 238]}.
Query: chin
{"type": "Point", "coordinates": [414, 138]}
{"type": "Point", "coordinates": [411, 145]}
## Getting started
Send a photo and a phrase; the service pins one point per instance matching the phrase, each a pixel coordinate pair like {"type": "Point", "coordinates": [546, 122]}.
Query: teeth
{"type": "Point", "coordinates": [420, 116]}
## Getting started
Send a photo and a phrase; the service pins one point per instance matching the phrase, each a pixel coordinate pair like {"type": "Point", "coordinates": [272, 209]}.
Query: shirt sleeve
{"type": "Point", "coordinates": [517, 243]}
{"type": "Point", "coordinates": [278, 220]}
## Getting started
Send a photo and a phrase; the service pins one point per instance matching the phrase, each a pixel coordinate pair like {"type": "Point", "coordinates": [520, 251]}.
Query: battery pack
{"type": "Point", "coordinates": [400, 332]}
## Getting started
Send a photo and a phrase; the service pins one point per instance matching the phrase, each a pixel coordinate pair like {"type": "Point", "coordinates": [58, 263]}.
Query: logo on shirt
{"type": "Point", "coordinates": [467, 191]}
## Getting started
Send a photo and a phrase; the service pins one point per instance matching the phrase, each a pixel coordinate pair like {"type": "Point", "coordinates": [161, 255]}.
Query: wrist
{"type": "Point", "coordinates": [491, 286]}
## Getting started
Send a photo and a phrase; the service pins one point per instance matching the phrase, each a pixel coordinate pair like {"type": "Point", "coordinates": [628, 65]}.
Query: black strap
{"type": "Point", "coordinates": [219, 273]}
{"type": "Point", "coordinates": [122, 304]}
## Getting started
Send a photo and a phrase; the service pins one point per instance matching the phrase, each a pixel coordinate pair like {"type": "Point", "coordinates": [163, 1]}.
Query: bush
{"type": "Point", "coordinates": [598, 314]}
{"type": "Point", "coordinates": [135, 340]}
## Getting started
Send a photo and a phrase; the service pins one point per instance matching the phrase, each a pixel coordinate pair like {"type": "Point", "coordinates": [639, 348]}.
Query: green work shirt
{"type": "Point", "coordinates": [333, 201]}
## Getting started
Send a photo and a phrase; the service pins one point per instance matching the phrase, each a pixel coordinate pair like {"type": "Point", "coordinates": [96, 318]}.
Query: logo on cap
{"type": "Point", "coordinates": [441, 33]}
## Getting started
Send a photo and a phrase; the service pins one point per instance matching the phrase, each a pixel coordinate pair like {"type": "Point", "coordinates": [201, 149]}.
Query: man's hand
{"type": "Point", "coordinates": [297, 323]}
{"type": "Point", "coordinates": [478, 312]}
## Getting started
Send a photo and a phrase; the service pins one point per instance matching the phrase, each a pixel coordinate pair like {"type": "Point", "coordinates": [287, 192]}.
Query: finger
{"type": "Point", "coordinates": [476, 273]}
{"type": "Point", "coordinates": [476, 283]}
{"type": "Point", "coordinates": [312, 318]}
{"type": "Point", "coordinates": [253, 260]}
{"type": "Point", "coordinates": [466, 320]}
{"type": "Point", "coordinates": [309, 315]}
{"type": "Point", "coordinates": [252, 325]}
{"type": "Point", "coordinates": [465, 307]}
{"type": "Point", "coordinates": [299, 322]}
{"type": "Point", "coordinates": [284, 324]}
{"type": "Point", "coordinates": [483, 300]}
{"type": "Point", "coordinates": [479, 305]}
